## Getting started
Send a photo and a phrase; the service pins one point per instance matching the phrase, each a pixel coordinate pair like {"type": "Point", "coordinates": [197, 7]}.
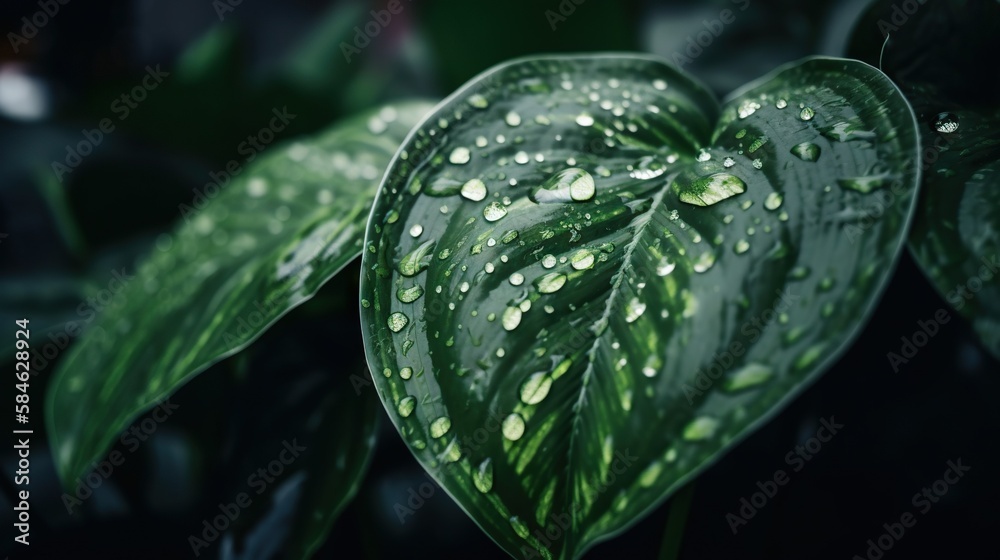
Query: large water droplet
{"type": "Point", "coordinates": [511, 318]}
{"type": "Point", "coordinates": [440, 427]}
{"type": "Point", "coordinates": [634, 310]}
{"type": "Point", "coordinates": [700, 428]}
{"type": "Point", "coordinates": [565, 186]}
{"type": "Point", "coordinates": [585, 120]}
{"type": "Point", "coordinates": [582, 260]}
{"type": "Point", "coordinates": [409, 295]}
{"type": "Point", "coordinates": [706, 191]}
{"type": "Point", "coordinates": [648, 167]}
{"type": "Point", "coordinates": [416, 260]}
{"type": "Point", "coordinates": [494, 211]}
{"type": "Point", "coordinates": [748, 376]}
{"type": "Point", "coordinates": [397, 321]}
{"type": "Point", "coordinates": [513, 427]}
{"type": "Point", "coordinates": [460, 156]}
{"type": "Point", "coordinates": [946, 123]}
{"type": "Point", "coordinates": [807, 114]}
{"type": "Point", "coordinates": [550, 283]}
{"type": "Point", "coordinates": [535, 388]}
{"type": "Point", "coordinates": [513, 119]}
{"type": "Point", "coordinates": [406, 406]}
{"type": "Point", "coordinates": [665, 266]}
{"type": "Point", "coordinates": [806, 151]}
{"type": "Point", "coordinates": [773, 201]}
{"type": "Point", "coordinates": [482, 477]}
{"type": "Point", "coordinates": [474, 190]}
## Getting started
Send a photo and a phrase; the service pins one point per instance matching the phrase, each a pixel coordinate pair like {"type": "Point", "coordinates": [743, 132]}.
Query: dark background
{"type": "Point", "coordinates": [901, 427]}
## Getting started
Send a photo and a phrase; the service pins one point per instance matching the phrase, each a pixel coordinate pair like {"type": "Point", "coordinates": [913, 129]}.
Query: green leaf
{"type": "Point", "coordinates": [266, 242]}
{"type": "Point", "coordinates": [956, 233]}
{"type": "Point", "coordinates": [584, 280]}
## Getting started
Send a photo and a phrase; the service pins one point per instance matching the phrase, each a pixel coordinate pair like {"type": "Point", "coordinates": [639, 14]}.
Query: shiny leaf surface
{"type": "Point", "coordinates": [584, 279]}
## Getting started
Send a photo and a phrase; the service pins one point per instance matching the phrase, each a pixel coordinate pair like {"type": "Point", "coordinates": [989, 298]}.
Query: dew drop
{"type": "Point", "coordinates": [513, 119]}
{"type": "Point", "coordinates": [634, 310]}
{"type": "Point", "coordinates": [513, 427]}
{"type": "Point", "coordinates": [728, 162]}
{"type": "Point", "coordinates": [511, 318]}
{"type": "Point", "coordinates": [648, 167]}
{"type": "Point", "coordinates": [781, 104]}
{"type": "Point", "coordinates": [494, 211]}
{"type": "Point", "coordinates": [548, 261]}
{"type": "Point", "coordinates": [665, 266]}
{"type": "Point", "coordinates": [747, 377]}
{"type": "Point", "coordinates": [773, 201]}
{"type": "Point", "coordinates": [550, 283]}
{"type": "Point", "coordinates": [440, 427]}
{"type": "Point", "coordinates": [482, 476]}
{"type": "Point", "coordinates": [863, 185]}
{"type": "Point", "coordinates": [582, 260]}
{"type": "Point", "coordinates": [706, 191]}
{"type": "Point", "coordinates": [406, 406]}
{"type": "Point", "coordinates": [704, 262]}
{"type": "Point", "coordinates": [585, 120]}
{"type": "Point", "coordinates": [806, 151]}
{"type": "Point", "coordinates": [416, 230]}
{"type": "Point", "coordinates": [573, 184]}
{"type": "Point", "coordinates": [535, 388]}
{"type": "Point", "coordinates": [807, 114]}
{"type": "Point", "coordinates": [397, 321]}
{"type": "Point", "coordinates": [474, 190]}
{"type": "Point", "coordinates": [460, 156]}
{"type": "Point", "coordinates": [742, 246]}
{"type": "Point", "coordinates": [409, 295]}
{"type": "Point", "coordinates": [946, 123]}
{"type": "Point", "coordinates": [700, 428]}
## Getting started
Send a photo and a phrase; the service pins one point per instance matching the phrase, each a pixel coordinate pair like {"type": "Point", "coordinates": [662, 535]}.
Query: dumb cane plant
{"type": "Point", "coordinates": [572, 267]}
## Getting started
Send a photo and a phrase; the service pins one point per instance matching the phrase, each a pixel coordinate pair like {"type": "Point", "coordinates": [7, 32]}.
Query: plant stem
{"type": "Point", "coordinates": [680, 506]}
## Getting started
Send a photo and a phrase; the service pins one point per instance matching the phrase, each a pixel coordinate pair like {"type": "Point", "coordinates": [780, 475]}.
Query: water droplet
{"type": "Point", "coordinates": [582, 260]}
{"type": "Point", "coordinates": [440, 427]}
{"type": "Point", "coordinates": [742, 246]}
{"type": "Point", "coordinates": [660, 84]}
{"type": "Point", "coordinates": [535, 388]}
{"type": "Point", "coordinates": [946, 123]}
{"type": "Point", "coordinates": [519, 527]}
{"type": "Point", "coordinates": [494, 211]}
{"type": "Point", "coordinates": [416, 230]}
{"type": "Point", "coordinates": [409, 295]}
{"type": "Point", "coordinates": [665, 266]}
{"type": "Point", "coordinates": [511, 318]}
{"type": "Point", "coordinates": [806, 151]}
{"type": "Point", "coordinates": [406, 373]}
{"type": "Point", "coordinates": [513, 119]}
{"type": "Point", "coordinates": [648, 167]}
{"type": "Point", "coordinates": [807, 114]}
{"type": "Point", "coordinates": [700, 428]}
{"type": "Point", "coordinates": [548, 261]}
{"type": "Point", "coordinates": [773, 201]}
{"type": "Point", "coordinates": [781, 104]}
{"type": "Point", "coordinates": [474, 190]}
{"type": "Point", "coordinates": [864, 185]}
{"type": "Point", "coordinates": [748, 376]}
{"type": "Point", "coordinates": [565, 186]}
{"type": "Point", "coordinates": [460, 156]}
{"type": "Point", "coordinates": [728, 162]}
{"type": "Point", "coordinates": [585, 120]}
{"type": "Point", "coordinates": [550, 283]}
{"type": "Point", "coordinates": [406, 406]}
{"type": "Point", "coordinates": [747, 108]}
{"type": "Point", "coordinates": [516, 279]}
{"type": "Point", "coordinates": [634, 310]}
{"type": "Point", "coordinates": [478, 101]}
{"type": "Point", "coordinates": [757, 163]}
{"type": "Point", "coordinates": [704, 262]}
{"type": "Point", "coordinates": [443, 186]}
{"type": "Point", "coordinates": [650, 474]}
{"type": "Point", "coordinates": [706, 191]}
{"type": "Point", "coordinates": [513, 427]}
{"type": "Point", "coordinates": [397, 321]}
{"type": "Point", "coordinates": [482, 477]}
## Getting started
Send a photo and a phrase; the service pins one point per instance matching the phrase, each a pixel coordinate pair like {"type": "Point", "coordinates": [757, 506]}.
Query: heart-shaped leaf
{"type": "Point", "coordinates": [932, 54]}
{"type": "Point", "coordinates": [583, 280]}
{"type": "Point", "coordinates": [263, 245]}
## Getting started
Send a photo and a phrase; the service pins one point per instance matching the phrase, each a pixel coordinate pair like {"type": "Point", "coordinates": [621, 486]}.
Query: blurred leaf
{"type": "Point", "coordinates": [465, 39]}
{"type": "Point", "coordinates": [935, 54]}
{"type": "Point", "coordinates": [573, 243]}
{"type": "Point", "coordinates": [245, 255]}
